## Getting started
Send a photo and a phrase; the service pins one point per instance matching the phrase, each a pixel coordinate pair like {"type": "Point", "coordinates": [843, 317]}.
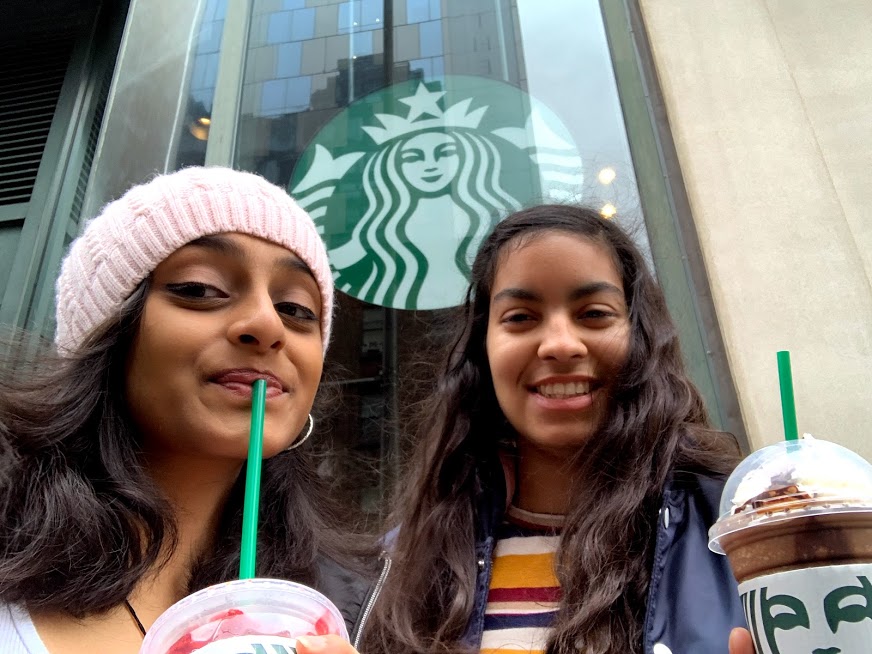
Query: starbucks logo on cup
{"type": "Point", "coordinates": [406, 182]}
{"type": "Point", "coordinates": [825, 610]}
{"type": "Point", "coordinates": [251, 645]}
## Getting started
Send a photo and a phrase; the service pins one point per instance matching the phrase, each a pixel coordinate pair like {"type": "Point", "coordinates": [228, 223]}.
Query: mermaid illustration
{"type": "Point", "coordinates": [427, 191]}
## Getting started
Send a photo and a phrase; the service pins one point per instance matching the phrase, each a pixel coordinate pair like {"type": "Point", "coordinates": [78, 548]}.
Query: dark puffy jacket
{"type": "Point", "coordinates": [693, 600]}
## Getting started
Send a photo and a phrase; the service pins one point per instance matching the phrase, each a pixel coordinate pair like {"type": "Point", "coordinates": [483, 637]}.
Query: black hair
{"type": "Point", "coordinates": [81, 520]}
{"type": "Point", "coordinates": [656, 426]}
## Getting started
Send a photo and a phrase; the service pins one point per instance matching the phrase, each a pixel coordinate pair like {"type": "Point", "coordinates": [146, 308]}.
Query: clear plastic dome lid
{"type": "Point", "coordinates": [792, 479]}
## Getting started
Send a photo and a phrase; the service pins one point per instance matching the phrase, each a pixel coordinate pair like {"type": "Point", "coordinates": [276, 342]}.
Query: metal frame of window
{"type": "Point", "coordinates": [51, 218]}
{"type": "Point", "coordinates": [221, 146]}
{"type": "Point", "coordinates": [674, 243]}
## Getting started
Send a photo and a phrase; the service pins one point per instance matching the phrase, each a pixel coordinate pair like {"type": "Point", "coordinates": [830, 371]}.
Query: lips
{"type": "Point", "coordinates": [240, 381]}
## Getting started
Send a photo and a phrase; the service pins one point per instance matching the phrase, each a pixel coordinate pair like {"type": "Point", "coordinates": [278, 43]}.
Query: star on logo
{"type": "Point", "coordinates": [423, 102]}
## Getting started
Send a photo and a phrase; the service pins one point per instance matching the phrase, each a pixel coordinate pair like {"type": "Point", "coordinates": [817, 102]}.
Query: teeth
{"type": "Point", "coordinates": [571, 389]}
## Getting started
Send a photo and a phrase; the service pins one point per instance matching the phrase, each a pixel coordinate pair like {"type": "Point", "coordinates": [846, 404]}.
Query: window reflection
{"type": "Point", "coordinates": [204, 75]}
{"type": "Point", "coordinates": [308, 61]}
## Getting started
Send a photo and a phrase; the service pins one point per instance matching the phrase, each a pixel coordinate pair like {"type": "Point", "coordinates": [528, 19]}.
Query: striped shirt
{"type": "Point", "coordinates": [524, 592]}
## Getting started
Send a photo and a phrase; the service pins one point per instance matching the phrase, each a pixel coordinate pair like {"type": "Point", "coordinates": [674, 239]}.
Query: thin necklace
{"type": "Point", "coordinates": [135, 618]}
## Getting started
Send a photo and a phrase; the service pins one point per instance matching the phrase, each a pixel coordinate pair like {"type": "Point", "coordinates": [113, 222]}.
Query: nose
{"type": "Point", "coordinates": [256, 324]}
{"type": "Point", "coordinates": [561, 340]}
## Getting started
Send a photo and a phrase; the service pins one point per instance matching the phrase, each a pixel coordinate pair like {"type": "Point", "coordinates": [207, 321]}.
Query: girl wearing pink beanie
{"type": "Point", "coordinates": [121, 464]}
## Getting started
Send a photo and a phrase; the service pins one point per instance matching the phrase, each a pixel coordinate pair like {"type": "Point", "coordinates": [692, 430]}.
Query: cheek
{"type": "Point", "coordinates": [163, 348]}
{"type": "Point", "coordinates": [313, 376]}
{"type": "Point", "coordinates": [308, 360]}
{"type": "Point", "coordinates": [141, 363]}
{"type": "Point", "coordinates": [142, 387]}
{"type": "Point", "coordinates": [504, 367]}
{"type": "Point", "coordinates": [616, 349]}
{"type": "Point", "coordinates": [622, 351]}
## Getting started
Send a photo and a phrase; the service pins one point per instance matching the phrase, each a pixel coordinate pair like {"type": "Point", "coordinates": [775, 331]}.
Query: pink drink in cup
{"type": "Point", "coordinates": [247, 616]}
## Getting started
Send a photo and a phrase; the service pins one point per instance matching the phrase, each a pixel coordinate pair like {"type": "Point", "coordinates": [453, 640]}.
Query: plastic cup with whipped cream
{"type": "Point", "coordinates": [247, 616]}
{"type": "Point", "coordinates": [796, 524]}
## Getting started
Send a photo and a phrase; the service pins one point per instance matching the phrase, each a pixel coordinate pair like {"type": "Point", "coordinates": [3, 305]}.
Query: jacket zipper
{"type": "Point", "coordinates": [663, 519]}
{"type": "Point", "coordinates": [386, 568]}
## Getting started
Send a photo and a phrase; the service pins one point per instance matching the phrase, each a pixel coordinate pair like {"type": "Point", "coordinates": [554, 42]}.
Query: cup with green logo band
{"type": "Point", "coordinates": [245, 616]}
{"type": "Point", "coordinates": [796, 524]}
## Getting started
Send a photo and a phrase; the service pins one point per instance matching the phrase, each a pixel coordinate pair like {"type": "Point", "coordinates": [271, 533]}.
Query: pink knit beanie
{"type": "Point", "coordinates": [120, 247]}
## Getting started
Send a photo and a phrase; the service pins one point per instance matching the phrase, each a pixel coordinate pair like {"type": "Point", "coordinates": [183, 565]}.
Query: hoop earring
{"type": "Point", "coordinates": [297, 443]}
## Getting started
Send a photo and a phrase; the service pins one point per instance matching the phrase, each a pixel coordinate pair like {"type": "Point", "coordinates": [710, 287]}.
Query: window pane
{"type": "Point", "coordinates": [407, 128]}
{"type": "Point", "coordinates": [160, 110]}
{"type": "Point", "coordinates": [485, 107]}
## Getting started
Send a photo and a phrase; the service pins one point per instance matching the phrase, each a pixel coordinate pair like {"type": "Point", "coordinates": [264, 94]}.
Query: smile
{"type": "Point", "coordinates": [561, 391]}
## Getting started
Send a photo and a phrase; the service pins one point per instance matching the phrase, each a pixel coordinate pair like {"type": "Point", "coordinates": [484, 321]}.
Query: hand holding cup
{"type": "Point", "coordinates": [335, 645]}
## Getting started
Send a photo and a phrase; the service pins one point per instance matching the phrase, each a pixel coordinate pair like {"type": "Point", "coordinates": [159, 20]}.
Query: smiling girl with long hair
{"type": "Point", "coordinates": [566, 472]}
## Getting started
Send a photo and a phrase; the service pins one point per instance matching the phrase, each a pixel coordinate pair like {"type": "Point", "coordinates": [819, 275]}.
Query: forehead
{"type": "Point", "coordinates": [553, 255]}
{"type": "Point", "coordinates": [237, 244]}
{"type": "Point", "coordinates": [247, 249]}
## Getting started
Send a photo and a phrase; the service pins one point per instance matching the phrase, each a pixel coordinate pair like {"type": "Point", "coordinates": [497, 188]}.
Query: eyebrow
{"type": "Point", "coordinates": [225, 246]}
{"type": "Point", "coordinates": [576, 294]}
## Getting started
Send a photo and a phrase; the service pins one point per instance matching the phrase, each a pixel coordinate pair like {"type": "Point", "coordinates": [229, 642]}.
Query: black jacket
{"type": "Point", "coordinates": [353, 594]}
{"type": "Point", "coordinates": [693, 599]}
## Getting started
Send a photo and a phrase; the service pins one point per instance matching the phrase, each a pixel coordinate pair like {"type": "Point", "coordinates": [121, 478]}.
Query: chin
{"type": "Point", "coordinates": [558, 444]}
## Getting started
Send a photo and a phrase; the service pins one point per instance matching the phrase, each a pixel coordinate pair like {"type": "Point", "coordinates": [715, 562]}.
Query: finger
{"type": "Point", "coordinates": [740, 641]}
{"type": "Point", "coordinates": [331, 644]}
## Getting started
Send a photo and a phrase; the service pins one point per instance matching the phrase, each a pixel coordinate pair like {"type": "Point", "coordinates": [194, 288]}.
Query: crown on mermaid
{"type": "Point", "coordinates": [424, 102]}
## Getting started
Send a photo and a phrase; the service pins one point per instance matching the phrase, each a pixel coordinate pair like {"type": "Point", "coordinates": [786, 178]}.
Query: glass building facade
{"type": "Point", "coordinates": [407, 128]}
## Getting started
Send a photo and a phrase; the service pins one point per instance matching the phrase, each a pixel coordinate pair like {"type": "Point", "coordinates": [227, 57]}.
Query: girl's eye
{"type": "Point", "coordinates": [296, 311]}
{"type": "Point", "coordinates": [596, 314]}
{"type": "Point", "coordinates": [195, 291]}
{"type": "Point", "coordinates": [516, 318]}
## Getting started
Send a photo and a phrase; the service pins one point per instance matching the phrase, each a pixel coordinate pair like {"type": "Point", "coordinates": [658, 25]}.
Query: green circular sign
{"type": "Point", "coordinates": [405, 183]}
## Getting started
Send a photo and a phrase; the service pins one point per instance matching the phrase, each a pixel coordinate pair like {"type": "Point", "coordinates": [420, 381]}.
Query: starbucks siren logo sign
{"type": "Point", "coordinates": [820, 610]}
{"type": "Point", "coordinates": [406, 182]}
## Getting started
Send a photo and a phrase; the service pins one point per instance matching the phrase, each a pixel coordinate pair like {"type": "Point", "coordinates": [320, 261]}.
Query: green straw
{"type": "Point", "coordinates": [788, 406]}
{"type": "Point", "coordinates": [251, 507]}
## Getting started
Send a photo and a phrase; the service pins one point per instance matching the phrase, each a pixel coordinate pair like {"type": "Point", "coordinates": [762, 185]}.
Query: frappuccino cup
{"type": "Point", "coordinates": [796, 524]}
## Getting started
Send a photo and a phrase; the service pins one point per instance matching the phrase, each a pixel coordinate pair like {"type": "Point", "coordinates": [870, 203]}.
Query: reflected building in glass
{"type": "Point", "coordinates": [305, 63]}
{"type": "Point", "coordinates": [407, 128]}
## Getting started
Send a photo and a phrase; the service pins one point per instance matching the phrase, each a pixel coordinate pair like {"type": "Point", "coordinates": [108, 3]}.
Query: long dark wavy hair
{"type": "Point", "coordinates": [656, 426]}
{"type": "Point", "coordinates": [81, 521]}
